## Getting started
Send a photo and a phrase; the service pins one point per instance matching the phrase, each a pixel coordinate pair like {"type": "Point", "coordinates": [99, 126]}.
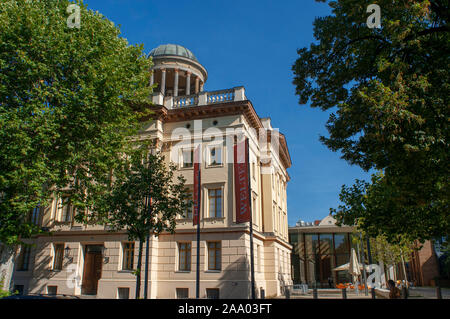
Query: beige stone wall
{"type": "Point", "coordinates": [271, 247]}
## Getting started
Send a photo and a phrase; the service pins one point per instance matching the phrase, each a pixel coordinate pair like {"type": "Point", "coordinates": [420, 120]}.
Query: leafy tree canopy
{"type": "Point", "coordinates": [144, 199]}
{"type": "Point", "coordinates": [68, 101]}
{"type": "Point", "coordinates": [388, 89]}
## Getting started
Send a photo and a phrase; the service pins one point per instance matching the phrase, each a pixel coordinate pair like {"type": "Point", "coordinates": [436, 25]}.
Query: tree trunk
{"type": "Point", "coordinates": [138, 270]}
{"type": "Point", "coordinates": [404, 270]}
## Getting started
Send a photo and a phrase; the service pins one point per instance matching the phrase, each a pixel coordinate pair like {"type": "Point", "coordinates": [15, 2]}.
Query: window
{"type": "Point", "coordinates": [35, 215]}
{"type": "Point", "coordinates": [212, 293]}
{"type": "Point", "coordinates": [255, 210]}
{"type": "Point", "coordinates": [24, 259]}
{"type": "Point", "coordinates": [52, 290]}
{"type": "Point", "coordinates": [182, 293]}
{"type": "Point", "coordinates": [128, 256]}
{"type": "Point", "coordinates": [184, 258]}
{"type": "Point", "coordinates": [58, 256]}
{"type": "Point", "coordinates": [187, 157]}
{"type": "Point", "coordinates": [214, 256]}
{"type": "Point", "coordinates": [190, 207]}
{"type": "Point", "coordinates": [66, 212]}
{"type": "Point", "coordinates": [123, 293]}
{"type": "Point", "coordinates": [215, 202]}
{"type": "Point", "coordinates": [215, 156]}
{"type": "Point", "coordinates": [254, 170]}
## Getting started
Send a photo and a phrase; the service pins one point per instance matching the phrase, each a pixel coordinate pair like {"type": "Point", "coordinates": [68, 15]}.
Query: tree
{"type": "Point", "coordinates": [379, 209]}
{"type": "Point", "coordinates": [144, 199]}
{"type": "Point", "coordinates": [69, 98]}
{"type": "Point", "coordinates": [389, 91]}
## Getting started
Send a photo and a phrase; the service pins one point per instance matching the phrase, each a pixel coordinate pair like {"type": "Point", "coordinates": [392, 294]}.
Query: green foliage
{"type": "Point", "coordinates": [125, 204]}
{"type": "Point", "coordinates": [68, 101]}
{"type": "Point", "coordinates": [144, 199]}
{"type": "Point", "coordinates": [379, 209]}
{"type": "Point", "coordinates": [3, 293]}
{"type": "Point", "coordinates": [388, 89]}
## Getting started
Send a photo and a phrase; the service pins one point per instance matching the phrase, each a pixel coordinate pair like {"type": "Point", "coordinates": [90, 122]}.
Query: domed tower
{"type": "Point", "coordinates": [176, 71]}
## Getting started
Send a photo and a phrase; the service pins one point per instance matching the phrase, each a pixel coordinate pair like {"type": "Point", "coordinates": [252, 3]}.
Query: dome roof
{"type": "Point", "coordinates": [172, 49]}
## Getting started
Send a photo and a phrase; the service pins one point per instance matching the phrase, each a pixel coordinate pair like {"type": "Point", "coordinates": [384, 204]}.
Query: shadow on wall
{"type": "Point", "coordinates": [235, 281]}
{"type": "Point", "coordinates": [41, 271]}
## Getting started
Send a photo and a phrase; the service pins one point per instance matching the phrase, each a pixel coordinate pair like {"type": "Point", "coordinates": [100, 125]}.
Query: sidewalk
{"type": "Point", "coordinates": [427, 293]}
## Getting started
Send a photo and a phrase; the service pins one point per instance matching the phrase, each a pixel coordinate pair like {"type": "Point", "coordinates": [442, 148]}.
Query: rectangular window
{"type": "Point", "coordinates": [187, 158]}
{"type": "Point", "coordinates": [215, 202]}
{"type": "Point", "coordinates": [58, 257]}
{"type": "Point", "coordinates": [128, 256]}
{"type": "Point", "coordinates": [52, 290]}
{"type": "Point", "coordinates": [24, 259]}
{"type": "Point", "coordinates": [123, 293]}
{"type": "Point", "coordinates": [184, 258]}
{"type": "Point", "coordinates": [182, 293]}
{"type": "Point", "coordinates": [215, 156]}
{"type": "Point", "coordinates": [190, 207]}
{"type": "Point", "coordinates": [212, 293]}
{"type": "Point", "coordinates": [66, 212]}
{"type": "Point", "coordinates": [214, 256]}
{"type": "Point", "coordinates": [35, 215]}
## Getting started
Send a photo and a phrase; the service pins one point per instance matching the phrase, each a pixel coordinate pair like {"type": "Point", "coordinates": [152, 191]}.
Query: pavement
{"type": "Point", "coordinates": [414, 293]}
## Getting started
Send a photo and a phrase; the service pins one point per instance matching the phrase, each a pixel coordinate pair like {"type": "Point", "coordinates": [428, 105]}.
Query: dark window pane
{"type": "Point", "coordinates": [341, 243]}
{"type": "Point", "coordinates": [326, 244]}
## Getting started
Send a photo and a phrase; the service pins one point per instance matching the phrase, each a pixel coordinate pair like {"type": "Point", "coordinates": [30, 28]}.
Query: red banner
{"type": "Point", "coordinates": [241, 182]}
{"type": "Point", "coordinates": [197, 185]}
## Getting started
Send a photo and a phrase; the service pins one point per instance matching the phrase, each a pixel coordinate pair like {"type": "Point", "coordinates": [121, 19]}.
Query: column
{"type": "Point", "coordinates": [152, 78]}
{"type": "Point", "coordinates": [163, 81]}
{"type": "Point", "coordinates": [175, 84]}
{"type": "Point", "coordinates": [188, 83]}
{"type": "Point", "coordinates": [196, 84]}
{"type": "Point", "coordinates": [201, 87]}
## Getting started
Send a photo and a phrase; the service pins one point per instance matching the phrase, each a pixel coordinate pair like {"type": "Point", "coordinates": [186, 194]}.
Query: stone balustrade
{"type": "Point", "coordinates": [202, 98]}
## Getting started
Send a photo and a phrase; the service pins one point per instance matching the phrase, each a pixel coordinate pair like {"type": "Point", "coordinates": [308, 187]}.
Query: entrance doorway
{"type": "Point", "coordinates": [93, 262]}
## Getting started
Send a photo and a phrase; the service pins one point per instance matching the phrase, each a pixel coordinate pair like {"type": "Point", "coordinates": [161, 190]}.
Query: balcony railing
{"type": "Point", "coordinates": [202, 98]}
{"type": "Point", "coordinates": [220, 96]}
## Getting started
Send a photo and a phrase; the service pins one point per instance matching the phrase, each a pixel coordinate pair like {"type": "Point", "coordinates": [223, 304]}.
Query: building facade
{"type": "Point", "coordinates": [318, 248]}
{"type": "Point", "coordinates": [78, 259]}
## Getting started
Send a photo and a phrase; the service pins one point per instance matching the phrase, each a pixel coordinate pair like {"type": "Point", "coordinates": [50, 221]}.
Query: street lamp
{"type": "Point", "coordinates": [67, 252]}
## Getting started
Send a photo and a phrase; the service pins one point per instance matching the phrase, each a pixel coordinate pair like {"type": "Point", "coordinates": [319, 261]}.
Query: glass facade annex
{"type": "Point", "coordinates": [315, 255]}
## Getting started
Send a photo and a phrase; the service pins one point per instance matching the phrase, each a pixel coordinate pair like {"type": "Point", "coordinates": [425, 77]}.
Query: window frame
{"type": "Point", "coordinates": [209, 197]}
{"type": "Point", "coordinates": [58, 256]}
{"type": "Point", "coordinates": [24, 258]}
{"type": "Point", "coordinates": [209, 148]}
{"type": "Point", "coordinates": [213, 289]}
{"type": "Point", "coordinates": [177, 289]}
{"type": "Point", "coordinates": [126, 259]}
{"type": "Point", "coordinates": [215, 249]}
{"type": "Point", "coordinates": [182, 150]}
{"type": "Point", "coordinates": [187, 256]}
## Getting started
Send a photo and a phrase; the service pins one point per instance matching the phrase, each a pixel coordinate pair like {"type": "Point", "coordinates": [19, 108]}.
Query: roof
{"type": "Point", "coordinates": [174, 50]}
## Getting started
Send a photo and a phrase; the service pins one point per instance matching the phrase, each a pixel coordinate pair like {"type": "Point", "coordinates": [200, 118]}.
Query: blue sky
{"type": "Point", "coordinates": [251, 43]}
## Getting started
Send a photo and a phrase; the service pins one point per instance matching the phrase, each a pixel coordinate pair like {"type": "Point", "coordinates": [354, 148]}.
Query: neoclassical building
{"type": "Point", "coordinates": [79, 259]}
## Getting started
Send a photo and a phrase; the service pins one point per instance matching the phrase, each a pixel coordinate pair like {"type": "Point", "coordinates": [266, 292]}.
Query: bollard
{"type": "Point", "coordinates": [344, 293]}
{"type": "Point", "coordinates": [404, 293]}
{"type": "Point", "coordinates": [288, 293]}
{"type": "Point", "coordinates": [315, 293]}
{"type": "Point", "coordinates": [438, 292]}
{"type": "Point", "coordinates": [263, 293]}
{"type": "Point", "coordinates": [373, 293]}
